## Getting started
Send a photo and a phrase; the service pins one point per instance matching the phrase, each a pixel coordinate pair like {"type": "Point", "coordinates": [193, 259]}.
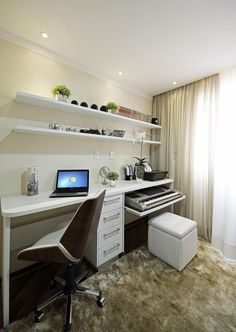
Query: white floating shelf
{"type": "Point", "coordinates": [30, 99]}
{"type": "Point", "coordinates": [45, 131]}
{"type": "Point", "coordinates": [159, 207]}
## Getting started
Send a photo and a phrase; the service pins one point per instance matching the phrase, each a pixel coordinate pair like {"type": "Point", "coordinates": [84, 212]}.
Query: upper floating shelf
{"type": "Point", "coordinates": [30, 99]}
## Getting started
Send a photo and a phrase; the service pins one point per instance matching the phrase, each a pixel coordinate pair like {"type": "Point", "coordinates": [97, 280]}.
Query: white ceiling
{"type": "Point", "coordinates": [153, 42]}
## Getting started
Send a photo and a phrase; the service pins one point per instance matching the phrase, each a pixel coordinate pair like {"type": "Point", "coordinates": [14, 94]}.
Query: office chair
{"type": "Point", "coordinates": [68, 246]}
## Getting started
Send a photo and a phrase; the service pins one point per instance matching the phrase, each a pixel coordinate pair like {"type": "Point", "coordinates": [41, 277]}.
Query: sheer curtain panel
{"type": "Point", "coordinates": [187, 116]}
{"type": "Point", "coordinates": [224, 208]}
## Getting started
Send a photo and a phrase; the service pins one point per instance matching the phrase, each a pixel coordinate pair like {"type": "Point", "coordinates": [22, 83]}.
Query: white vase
{"type": "Point", "coordinates": [32, 181]}
{"type": "Point", "coordinates": [139, 171]}
{"type": "Point", "coordinates": [112, 183]}
{"type": "Point", "coordinates": [61, 98]}
{"type": "Point", "coordinates": [112, 110]}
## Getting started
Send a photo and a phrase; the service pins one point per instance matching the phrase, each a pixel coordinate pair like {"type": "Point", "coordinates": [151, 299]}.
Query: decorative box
{"type": "Point", "coordinates": [155, 175]}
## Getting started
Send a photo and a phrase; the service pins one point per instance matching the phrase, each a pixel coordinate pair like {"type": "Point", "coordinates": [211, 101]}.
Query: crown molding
{"type": "Point", "coordinates": [74, 64]}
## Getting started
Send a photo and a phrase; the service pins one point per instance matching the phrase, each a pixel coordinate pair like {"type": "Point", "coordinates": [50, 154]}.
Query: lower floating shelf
{"type": "Point", "coordinates": [159, 207]}
{"type": "Point", "coordinates": [46, 131]}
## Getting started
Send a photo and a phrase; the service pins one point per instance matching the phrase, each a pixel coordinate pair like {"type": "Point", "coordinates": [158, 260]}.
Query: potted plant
{"type": "Point", "coordinates": [112, 106]}
{"type": "Point", "coordinates": [60, 92]}
{"type": "Point", "coordinates": [112, 177]}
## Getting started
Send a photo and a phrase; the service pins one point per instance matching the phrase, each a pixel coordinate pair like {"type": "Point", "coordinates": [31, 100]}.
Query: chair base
{"type": "Point", "coordinates": [70, 287]}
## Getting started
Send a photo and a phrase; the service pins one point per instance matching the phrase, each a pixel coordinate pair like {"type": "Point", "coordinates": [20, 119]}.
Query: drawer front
{"type": "Point", "coordinates": [109, 236]}
{"type": "Point", "coordinates": [112, 203]}
{"type": "Point", "coordinates": [106, 253]}
{"type": "Point", "coordinates": [110, 219]}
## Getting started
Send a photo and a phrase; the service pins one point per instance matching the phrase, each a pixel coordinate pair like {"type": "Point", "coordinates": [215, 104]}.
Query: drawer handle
{"type": "Point", "coordinates": [110, 201]}
{"type": "Point", "coordinates": [107, 235]}
{"type": "Point", "coordinates": [114, 216]}
{"type": "Point", "coordinates": [109, 251]}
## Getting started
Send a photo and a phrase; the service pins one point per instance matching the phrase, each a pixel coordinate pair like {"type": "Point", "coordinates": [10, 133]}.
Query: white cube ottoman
{"type": "Point", "coordinates": [173, 239]}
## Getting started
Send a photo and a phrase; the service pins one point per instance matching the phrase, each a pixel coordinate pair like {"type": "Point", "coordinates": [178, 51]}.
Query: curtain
{"type": "Point", "coordinates": [187, 117]}
{"type": "Point", "coordinates": [224, 207]}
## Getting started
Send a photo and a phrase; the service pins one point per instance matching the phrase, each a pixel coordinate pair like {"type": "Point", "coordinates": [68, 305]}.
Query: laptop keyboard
{"type": "Point", "coordinates": [75, 194]}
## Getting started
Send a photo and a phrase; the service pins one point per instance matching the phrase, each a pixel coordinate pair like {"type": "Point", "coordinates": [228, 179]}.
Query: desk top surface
{"type": "Point", "coordinates": [20, 205]}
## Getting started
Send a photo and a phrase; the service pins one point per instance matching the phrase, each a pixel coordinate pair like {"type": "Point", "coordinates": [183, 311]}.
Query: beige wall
{"type": "Point", "coordinates": [24, 70]}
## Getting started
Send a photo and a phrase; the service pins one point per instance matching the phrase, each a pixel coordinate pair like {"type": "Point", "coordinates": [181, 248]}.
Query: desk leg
{"type": "Point", "coordinates": [6, 270]}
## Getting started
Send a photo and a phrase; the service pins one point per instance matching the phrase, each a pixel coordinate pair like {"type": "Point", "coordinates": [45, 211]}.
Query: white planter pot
{"type": "Point", "coordinates": [61, 98]}
{"type": "Point", "coordinates": [111, 110]}
{"type": "Point", "coordinates": [112, 183]}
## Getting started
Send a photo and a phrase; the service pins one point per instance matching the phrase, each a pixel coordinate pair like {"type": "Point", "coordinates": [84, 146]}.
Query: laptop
{"type": "Point", "coordinates": [71, 183]}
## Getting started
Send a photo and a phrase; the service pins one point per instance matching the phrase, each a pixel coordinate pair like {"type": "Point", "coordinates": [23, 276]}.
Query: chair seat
{"type": "Point", "coordinates": [60, 225]}
{"type": "Point", "coordinates": [50, 238]}
{"type": "Point", "coordinates": [49, 248]}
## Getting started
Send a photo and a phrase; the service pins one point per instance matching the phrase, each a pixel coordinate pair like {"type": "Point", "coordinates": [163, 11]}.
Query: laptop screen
{"type": "Point", "coordinates": [72, 180]}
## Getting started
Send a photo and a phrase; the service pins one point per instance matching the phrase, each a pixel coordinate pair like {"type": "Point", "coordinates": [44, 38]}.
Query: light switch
{"type": "Point", "coordinates": [111, 155]}
{"type": "Point", "coordinates": [96, 155]}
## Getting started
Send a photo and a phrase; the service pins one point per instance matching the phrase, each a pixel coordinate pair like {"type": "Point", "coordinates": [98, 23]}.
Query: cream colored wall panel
{"type": "Point", "coordinates": [13, 169]}
{"type": "Point", "coordinates": [25, 70]}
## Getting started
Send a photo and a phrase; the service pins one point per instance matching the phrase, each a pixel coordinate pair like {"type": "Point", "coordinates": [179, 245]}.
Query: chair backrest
{"type": "Point", "coordinates": [83, 226]}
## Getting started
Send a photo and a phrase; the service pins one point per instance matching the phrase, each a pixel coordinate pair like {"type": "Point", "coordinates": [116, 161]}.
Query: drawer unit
{"type": "Point", "coordinates": [108, 242]}
{"type": "Point", "coordinates": [110, 251]}
{"type": "Point", "coordinates": [112, 203]}
{"type": "Point", "coordinates": [110, 218]}
{"type": "Point", "coordinates": [109, 235]}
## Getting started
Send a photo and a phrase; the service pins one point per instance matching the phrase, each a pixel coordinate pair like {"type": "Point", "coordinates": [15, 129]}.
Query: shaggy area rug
{"type": "Point", "coordinates": [144, 294]}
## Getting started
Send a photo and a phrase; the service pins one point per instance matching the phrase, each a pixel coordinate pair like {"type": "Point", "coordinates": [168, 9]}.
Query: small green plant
{"type": "Point", "coordinates": [141, 161]}
{"type": "Point", "coordinates": [112, 176]}
{"type": "Point", "coordinates": [60, 89]}
{"type": "Point", "coordinates": [111, 105]}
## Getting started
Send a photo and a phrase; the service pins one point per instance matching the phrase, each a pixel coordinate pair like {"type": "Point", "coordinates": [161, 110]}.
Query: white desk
{"type": "Point", "coordinates": [15, 206]}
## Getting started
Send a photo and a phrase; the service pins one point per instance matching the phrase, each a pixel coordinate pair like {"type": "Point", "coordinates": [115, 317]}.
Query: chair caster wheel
{"type": "Point", "coordinates": [38, 315]}
{"type": "Point", "coordinates": [101, 302]}
{"type": "Point", "coordinates": [67, 328]}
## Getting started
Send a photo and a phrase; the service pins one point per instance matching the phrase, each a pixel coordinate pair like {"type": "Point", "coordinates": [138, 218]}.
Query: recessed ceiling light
{"type": "Point", "coordinates": [120, 73]}
{"type": "Point", "coordinates": [44, 35]}
{"type": "Point", "coordinates": [174, 83]}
